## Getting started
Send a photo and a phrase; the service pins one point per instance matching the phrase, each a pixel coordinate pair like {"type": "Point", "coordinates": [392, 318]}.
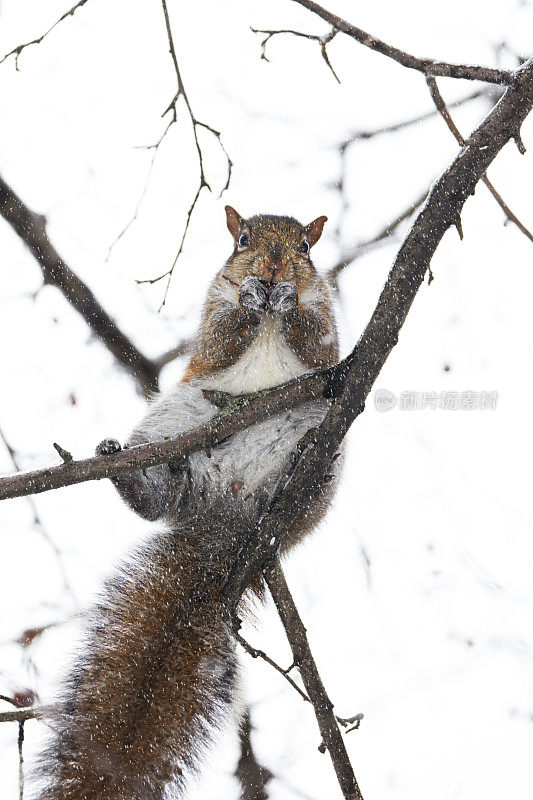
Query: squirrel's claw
{"type": "Point", "coordinates": [107, 447]}
{"type": "Point", "coordinates": [283, 297]}
{"type": "Point", "coordinates": [253, 295]}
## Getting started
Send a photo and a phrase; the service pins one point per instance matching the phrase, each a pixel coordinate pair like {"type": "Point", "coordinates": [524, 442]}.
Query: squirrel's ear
{"type": "Point", "coordinates": [234, 221]}
{"type": "Point", "coordinates": [314, 230]}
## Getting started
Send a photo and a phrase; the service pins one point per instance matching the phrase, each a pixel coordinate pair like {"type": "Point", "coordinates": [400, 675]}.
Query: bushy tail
{"type": "Point", "coordinates": [157, 673]}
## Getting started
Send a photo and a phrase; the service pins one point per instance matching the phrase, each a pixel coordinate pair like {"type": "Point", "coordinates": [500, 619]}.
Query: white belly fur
{"type": "Point", "coordinates": [256, 454]}
{"type": "Point", "coordinates": [267, 362]}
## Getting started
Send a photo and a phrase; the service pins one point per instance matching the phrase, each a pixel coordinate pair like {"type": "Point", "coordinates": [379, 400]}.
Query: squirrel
{"type": "Point", "coordinates": [157, 673]}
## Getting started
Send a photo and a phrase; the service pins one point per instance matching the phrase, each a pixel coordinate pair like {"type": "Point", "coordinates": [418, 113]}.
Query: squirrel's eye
{"type": "Point", "coordinates": [304, 247]}
{"type": "Point", "coordinates": [244, 240]}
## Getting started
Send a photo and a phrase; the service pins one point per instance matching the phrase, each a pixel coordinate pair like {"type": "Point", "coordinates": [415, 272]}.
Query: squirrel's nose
{"type": "Point", "coordinates": [274, 265]}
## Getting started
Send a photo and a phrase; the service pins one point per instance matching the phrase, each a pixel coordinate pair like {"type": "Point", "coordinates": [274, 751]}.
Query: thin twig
{"type": "Point", "coordinates": [155, 150]}
{"type": "Point", "coordinates": [364, 135]}
{"type": "Point", "coordinates": [178, 351]}
{"type": "Point", "coordinates": [427, 66]}
{"type": "Point", "coordinates": [18, 50]}
{"type": "Point", "coordinates": [20, 742]}
{"type": "Point", "coordinates": [65, 456]}
{"type": "Point", "coordinates": [37, 522]}
{"type": "Point", "coordinates": [445, 114]}
{"type": "Point", "coordinates": [255, 653]}
{"type": "Point", "coordinates": [365, 246]}
{"type": "Point", "coordinates": [196, 123]}
{"type": "Point", "coordinates": [350, 723]}
{"type": "Point", "coordinates": [323, 41]}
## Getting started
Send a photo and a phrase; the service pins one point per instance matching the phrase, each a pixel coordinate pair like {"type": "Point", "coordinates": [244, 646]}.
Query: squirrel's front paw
{"type": "Point", "coordinates": [107, 447]}
{"type": "Point", "coordinates": [253, 295]}
{"type": "Point", "coordinates": [283, 297]}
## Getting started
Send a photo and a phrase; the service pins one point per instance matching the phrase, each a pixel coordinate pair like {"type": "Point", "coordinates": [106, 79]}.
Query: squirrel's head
{"type": "Point", "coordinates": [272, 248]}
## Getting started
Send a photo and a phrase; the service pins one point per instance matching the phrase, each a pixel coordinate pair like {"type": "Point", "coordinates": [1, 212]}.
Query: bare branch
{"type": "Point", "coordinates": [127, 226]}
{"type": "Point", "coordinates": [445, 114]}
{"type": "Point", "coordinates": [31, 228]}
{"type": "Point", "coordinates": [365, 246]}
{"type": "Point", "coordinates": [323, 41]}
{"type": "Point", "coordinates": [18, 50]}
{"type": "Point", "coordinates": [248, 410]}
{"type": "Point", "coordinates": [196, 123]}
{"type": "Point", "coordinates": [354, 377]}
{"type": "Point", "coordinates": [23, 714]}
{"type": "Point", "coordinates": [364, 135]}
{"type": "Point", "coordinates": [37, 522]}
{"type": "Point", "coordinates": [20, 742]}
{"type": "Point", "coordinates": [442, 209]}
{"type": "Point", "coordinates": [252, 776]}
{"type": "Point", "coordinates": [180, 350]}
{"type": "Point", "coordinates": [349, 723]}
{"type": "Point", "coordinates": [255, 653]}
{"type": "Point", "coordinates": [322, 705]}
{"type": "Point", "coordinates": [64, 454]}
{"type": "Point", "coordinates": [425, 65]}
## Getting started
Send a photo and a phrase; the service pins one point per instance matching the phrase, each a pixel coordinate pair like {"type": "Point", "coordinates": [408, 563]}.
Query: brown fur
{"type": "Point", "coordinates": [159, 655]}
{"type": "Point", "coordinates": [273, 256]}
{"type": "Point", "coordinates": [157, 671]}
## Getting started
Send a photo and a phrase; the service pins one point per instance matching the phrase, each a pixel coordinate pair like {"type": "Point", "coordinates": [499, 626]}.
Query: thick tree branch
{"type": "Point", "coordinates": [349, 385]}
{"type": "Point", "coordinates": [247, 411]}
{"type": "Point", "coordinates": [425, 65]}
{"type": "Point", "coordinates": [361, 368]}
{"type": "Point", "coordinates": [441, 210]}
{"type": "Point", "coordinates": [306, 470]}
{"type": "Point", "coordinates": [31, 228]}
